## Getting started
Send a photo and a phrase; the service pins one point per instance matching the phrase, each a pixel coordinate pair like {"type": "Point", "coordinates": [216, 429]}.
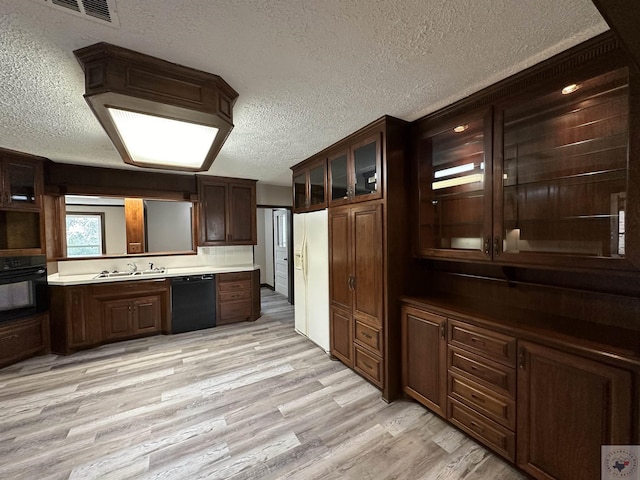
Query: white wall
{"type": "Point", "coordinates": [114, 225]}
{"type": "Point", "coordinates": [273, 195]}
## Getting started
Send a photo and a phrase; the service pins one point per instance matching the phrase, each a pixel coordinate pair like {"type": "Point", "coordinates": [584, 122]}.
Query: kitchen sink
{"type": "Point", "coordinates": [137, 273]}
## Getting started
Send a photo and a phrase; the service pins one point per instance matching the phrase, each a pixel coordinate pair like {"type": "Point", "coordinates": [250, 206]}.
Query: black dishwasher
{"type": "Point", "coordinates": [193, 303]}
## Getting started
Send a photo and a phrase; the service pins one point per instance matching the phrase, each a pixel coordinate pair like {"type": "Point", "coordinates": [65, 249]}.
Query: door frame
{"type": "Point", "coordinates": [289, 247]}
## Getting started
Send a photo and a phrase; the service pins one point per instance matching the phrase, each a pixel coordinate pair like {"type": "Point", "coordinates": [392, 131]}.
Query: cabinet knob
{"type": "Point", "coordinates": [487, 244]}
{"type": "Point", "coordinates": [443, 330]}
{"type": "Point", "coordinates": [497, 247]}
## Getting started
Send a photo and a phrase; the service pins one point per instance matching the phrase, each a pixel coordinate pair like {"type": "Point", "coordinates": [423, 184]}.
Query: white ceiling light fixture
{"type": "Point", "coordinates": [157, 114]}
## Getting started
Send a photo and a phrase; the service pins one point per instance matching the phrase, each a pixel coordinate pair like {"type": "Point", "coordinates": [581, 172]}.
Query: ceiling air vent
{"type": "Point", "coordinates": [103, 11]}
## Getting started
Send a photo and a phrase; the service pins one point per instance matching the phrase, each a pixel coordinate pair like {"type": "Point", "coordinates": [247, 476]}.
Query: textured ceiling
{"type": "Point", "coordinates": [309, 72]}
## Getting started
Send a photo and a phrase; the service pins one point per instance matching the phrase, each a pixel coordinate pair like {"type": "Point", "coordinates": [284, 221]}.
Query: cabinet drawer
{"type": "Point", "coordinates": [234, 296]}
{"type": "Point", "coordinates": [485, 372]}
{"type": "Point", "coordinates": [369, 336]}
{"type": "Point", "coordinates": [496, 407]}
{"type": "Point", "coordinates": [369, 365]}
{"type": "Point", "coordinates": [236, 285]}
{"type": "Point", "coordinates": [486, 343]}
{"type": "Point", "coordinates": [490, 433]}
{"type": "Point", "coordinates": [233, 277]}
{"type": "Point", "coordinates": [234, 310]}
{"type": "Point", "coordinates": [20, 338]}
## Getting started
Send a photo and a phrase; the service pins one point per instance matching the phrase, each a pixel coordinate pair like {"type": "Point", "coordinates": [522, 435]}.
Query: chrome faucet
{"type": "Point", "coordinates": [133, 267]}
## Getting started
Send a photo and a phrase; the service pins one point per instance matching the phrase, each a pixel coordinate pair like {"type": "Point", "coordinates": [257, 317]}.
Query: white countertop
{"type": "Point", "coordinates": [87, 278]}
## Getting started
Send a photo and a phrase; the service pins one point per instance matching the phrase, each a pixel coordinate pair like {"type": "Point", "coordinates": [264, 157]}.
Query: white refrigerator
{"type": "Point", "coordinates": [311, 276]}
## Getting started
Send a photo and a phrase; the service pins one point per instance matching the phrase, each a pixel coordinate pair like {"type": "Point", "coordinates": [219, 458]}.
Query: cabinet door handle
{"type": "Point", "coordinates": [497, 248]}
{"type": "Point", "coordinates": [443, 330]}
{"type": "Point", "coordinates": [487, 245]}
{"type": "Point", "coordinates": [353, 282]}
{"type": "Point", "coordinates": [350, 282]}
{"type": "Point", "coordinates": [521, 358]}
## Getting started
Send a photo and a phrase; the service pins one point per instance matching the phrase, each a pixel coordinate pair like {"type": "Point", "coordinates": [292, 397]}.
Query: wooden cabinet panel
{"type": "Point", "coordinates": [22, 338]}
{"type": "Point", "coordinates": [367, 267]}
{"type": "Point", "coordinates": [213, 223]}
{"type": "Point", "coordinates": [242, 214]}
{"type": "Point", "coordinates": [146, 314]}
{"type": "Point", "coordinates": [134, 221]}
{"type": "Point", "coordinates": [568, 407]}
{"type": "Point", "coordinates": [424, 365]}
{"type": "Point", "coordinates": [498, 438]}
{"type": "Point", "coordinates": [236, 297]}
{"type": "Point", "coordinates": [486, 343]}
{"type": "Point", "coordinates": [117, 318]}
{"type": "Point", "coordinates": [227, 211]}
{"type": "Point", "coordinates": [499, 408]}
{"type": "Point", "coordinates": [368, 365]}
{"type": "Point", "coordinates": [486, 372]}
{"type": "Point", "coordinates": [84, 316]}
{"type": "Point", "coordinates": [340, 293]}
{"type": "Point", "coordinates": [341, 328]}
{"type": "Point", "coordinates": [369, 336]}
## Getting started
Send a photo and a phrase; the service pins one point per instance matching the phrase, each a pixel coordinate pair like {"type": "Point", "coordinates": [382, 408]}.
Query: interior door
{"type": "Point", "coordinates": [280, 250]}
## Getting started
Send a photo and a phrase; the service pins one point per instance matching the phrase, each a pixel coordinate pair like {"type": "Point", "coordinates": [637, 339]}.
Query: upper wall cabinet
{"type": "Point", "coordinates": [539, 170]}
{"type": "Point", "coordinates": [310, 185]}
{"type": "Point", "coordinates": [355, 171]}
{"type": "Point", "coordinates": [227, 211]}
{"type": "Point", "coordinates": [21, 181]}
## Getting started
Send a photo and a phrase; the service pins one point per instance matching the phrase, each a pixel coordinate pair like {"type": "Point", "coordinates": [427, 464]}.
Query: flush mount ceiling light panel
{"type": "Point", "coordinates": [157, 114]}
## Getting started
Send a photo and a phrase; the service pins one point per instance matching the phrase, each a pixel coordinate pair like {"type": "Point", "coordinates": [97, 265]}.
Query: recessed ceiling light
{"type": "Point", "coordinates": [460, 128]}
{"type": "Point", "coordinates": [570, 88]}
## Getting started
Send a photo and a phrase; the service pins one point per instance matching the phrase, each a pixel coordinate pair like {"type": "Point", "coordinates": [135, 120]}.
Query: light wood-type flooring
{"type": "Point", "coordinates": [244, 401]}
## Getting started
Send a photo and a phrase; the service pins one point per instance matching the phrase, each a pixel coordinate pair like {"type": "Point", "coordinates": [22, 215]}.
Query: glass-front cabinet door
{"type": "Point", "coordinates": [355, 172]}
{"type": "Point", "coordinates": [564, 173]}
{"type": "Point", "coordinates": [310, 185]}
{"type": "Point", "coordinates": [21, 186]}
{"type": "Point", "coordinates": [317, 185]}
{"type": "Point", "coordinates": [300, 191]}
{"type": "Point", "coordinates": [366, 159]}
{"type": "Point", "coordinates": [339, 177]}
{"type": "Point", "coordinates": [454, 165]}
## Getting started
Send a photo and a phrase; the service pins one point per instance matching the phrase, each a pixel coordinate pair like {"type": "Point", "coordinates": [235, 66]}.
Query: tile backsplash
{"type": "Point", "coordinates": [207, 256]}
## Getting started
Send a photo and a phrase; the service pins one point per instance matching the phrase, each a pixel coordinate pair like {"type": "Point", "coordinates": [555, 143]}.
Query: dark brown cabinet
{"type": "Point", "coordinates": [538, 174]}
{"type": "Point", "coordinates": [20, 339]}
{"type": "Point", "coordinates": [533, 396]}
{"type": "Point", "coordinates": [424, 358]}
{"type": "Point", "coordinates": [569, 406]}
{"type": "Point", "coordinates": [356, 284]}
{"type": "Point", "coordinates": [367, 199]}
{"type": "Point", "coordinates": [71, 323]}
{"type": "Point", "coordinates": [130, 317]}
{"type": "Point", "coordinates": [355, 170]}
{"type": "Point", "coordinates": [21, 184]}
{"type": "Point", "coordinates": [310, 185]}
{"type": "Point", "coordinates": [85, 316]}
{"type": "Point", "coordinates": [481, 385]}
{"type": "Point", "coordinates": [227, 211]}
{"type": "Point", "coordinates": [237, 297]}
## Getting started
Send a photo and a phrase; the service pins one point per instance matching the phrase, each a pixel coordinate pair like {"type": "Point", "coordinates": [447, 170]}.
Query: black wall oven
{"type": "Point", "coordinates": [23, 287]}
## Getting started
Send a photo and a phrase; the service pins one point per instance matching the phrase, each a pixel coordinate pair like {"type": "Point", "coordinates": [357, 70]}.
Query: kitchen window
{"type": "Point", "coordinates": [85, 234]}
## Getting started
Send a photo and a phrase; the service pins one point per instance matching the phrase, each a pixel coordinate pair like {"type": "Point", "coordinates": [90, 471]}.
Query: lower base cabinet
{"type": "Point", "coordinates": [569, 406]}
{"type": "Point", "coordinates": [85, 316]}
{"type": "Point", "coordinates": [340, 329]}
{"type": "Point", "coordinates": [237, 297]}
{"type": "Point", "coordinates": [545, 409]}
{"type": "Point", "coordinates": [23, 338]}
